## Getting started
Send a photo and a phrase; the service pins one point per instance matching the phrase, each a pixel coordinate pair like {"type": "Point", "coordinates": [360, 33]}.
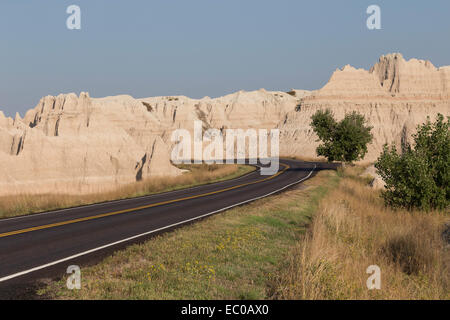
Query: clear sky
{"type": "Point", "coordinates": [202, 47]}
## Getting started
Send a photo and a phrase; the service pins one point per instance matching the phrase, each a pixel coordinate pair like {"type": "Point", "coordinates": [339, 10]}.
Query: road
{"type": "Point", "coordinates": [43, 245]}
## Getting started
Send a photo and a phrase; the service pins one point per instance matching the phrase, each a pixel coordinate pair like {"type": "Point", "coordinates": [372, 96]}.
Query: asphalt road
{"type": "Point", "coordinates": [43, 245]}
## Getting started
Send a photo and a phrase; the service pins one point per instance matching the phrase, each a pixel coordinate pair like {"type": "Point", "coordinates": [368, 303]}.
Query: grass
{"type": "Point", "coordinates": [197, 175]}
{"type": "Point", "coordinates": [352, 230]}
{"type": "Point", "coordinates": [232, 255]}
{"type": "Point", "coordinates": [305, 158]}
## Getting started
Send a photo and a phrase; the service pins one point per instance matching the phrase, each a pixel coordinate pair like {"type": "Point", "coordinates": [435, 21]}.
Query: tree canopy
{"type": "Point", "coordinates": [419, 176]}
{"type": "Point", "coordinates": [345, 140]}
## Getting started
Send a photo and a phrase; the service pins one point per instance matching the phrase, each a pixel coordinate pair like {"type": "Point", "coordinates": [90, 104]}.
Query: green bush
{"type": "Point", "coordinates": [418, 177]}
{"type": "Point", "coordinates": [346, 140]}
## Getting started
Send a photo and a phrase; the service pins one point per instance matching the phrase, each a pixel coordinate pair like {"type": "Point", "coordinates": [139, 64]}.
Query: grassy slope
{"type": "Point", "coordinates": [352, 229]}
{"type": "Point", "coordinates": [197, 175]}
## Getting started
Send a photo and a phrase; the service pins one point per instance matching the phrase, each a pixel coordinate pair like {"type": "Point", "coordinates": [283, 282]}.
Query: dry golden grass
{"type": "Point", "coordinates": [352, 230]}
{"type": "Point", "coordinates": [304, 158]}
{"type": "Point", "coordinates": [198, 174]}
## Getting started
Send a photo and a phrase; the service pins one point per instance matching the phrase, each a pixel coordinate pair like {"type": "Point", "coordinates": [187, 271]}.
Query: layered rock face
{"type": "Point", "coordinates": [395, 96]}
{"type": "Point", "coordinates": [73, 144]}
{"type": "Point", "coordinates": [241, 110]}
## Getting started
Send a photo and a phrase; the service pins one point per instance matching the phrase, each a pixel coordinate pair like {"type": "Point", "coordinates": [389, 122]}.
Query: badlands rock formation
{"type": "Point", "coordinates": [80, 144]}
{"type": "Point", "coordinates": [395, 96]}
{"type": "Point", "coordinates": [73, 144]}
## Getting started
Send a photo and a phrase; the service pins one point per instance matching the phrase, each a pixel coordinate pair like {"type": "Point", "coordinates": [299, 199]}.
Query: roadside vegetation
{"type": "Point", "coordinates": [315, 241]}
{"type": "Point", "coordinates": [352, 230]}
{"type": "Point", "coordinates": [195, 175]}
{"type": "Point", "coordinates": [419, 176]}
{"type": "Point", "coordinates": [404, 229]}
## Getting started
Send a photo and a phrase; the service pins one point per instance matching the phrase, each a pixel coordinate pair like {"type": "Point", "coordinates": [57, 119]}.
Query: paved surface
{"type": "Point", "coordinates": [43, 245]}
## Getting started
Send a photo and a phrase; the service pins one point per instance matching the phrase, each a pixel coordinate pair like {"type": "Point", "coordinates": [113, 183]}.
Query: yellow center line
{"type": "Point", "coordinates": [62, 223]}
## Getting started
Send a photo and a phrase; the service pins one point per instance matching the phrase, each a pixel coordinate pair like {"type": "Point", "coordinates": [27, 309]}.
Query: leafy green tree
{"type": "Point", "coordinates": [346, 140]}
{"type": "Point", "coordinates": [419, 177]}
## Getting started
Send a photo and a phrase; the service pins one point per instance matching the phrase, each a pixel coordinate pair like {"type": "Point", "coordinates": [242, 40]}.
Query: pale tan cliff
{"type": "Point", "coordinates": [73, 144]}
{"type": "Point", "coordinates": [395, 96]}
{"type": "Point", "coordinates": [83, 144]}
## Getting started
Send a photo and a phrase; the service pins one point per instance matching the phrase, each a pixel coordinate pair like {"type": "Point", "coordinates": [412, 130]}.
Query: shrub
{"type": "Point", "coordinates": [346, 140]}
{"type": "Point", "coordinates": [418, 177]}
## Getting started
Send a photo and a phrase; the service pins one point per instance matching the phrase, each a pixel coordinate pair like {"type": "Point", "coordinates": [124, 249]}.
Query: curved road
{"type": "Point", "coordinates": [45, 244]}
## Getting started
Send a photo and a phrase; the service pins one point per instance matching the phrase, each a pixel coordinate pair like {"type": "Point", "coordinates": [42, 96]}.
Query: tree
{"type": "Point", "coordinates": [346, 140]}
{"type": "Point", "coordinates": [418, 177]}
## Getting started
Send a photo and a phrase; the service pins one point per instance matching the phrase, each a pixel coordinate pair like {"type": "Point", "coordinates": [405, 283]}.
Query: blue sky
{"type": "Point", "coordinates": [202, 47]}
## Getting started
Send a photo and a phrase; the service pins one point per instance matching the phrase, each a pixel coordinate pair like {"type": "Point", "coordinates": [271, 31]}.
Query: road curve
{"type": "Point", "coordinates": [43, 245]}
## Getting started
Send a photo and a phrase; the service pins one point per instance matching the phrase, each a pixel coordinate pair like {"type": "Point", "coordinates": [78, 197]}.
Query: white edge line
{"type": "Point", "coordinates": [149, 232]}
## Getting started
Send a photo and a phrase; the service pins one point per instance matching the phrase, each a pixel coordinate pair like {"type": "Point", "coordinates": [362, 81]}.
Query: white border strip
{"type": "Point", "coordinates": [149, 232]}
